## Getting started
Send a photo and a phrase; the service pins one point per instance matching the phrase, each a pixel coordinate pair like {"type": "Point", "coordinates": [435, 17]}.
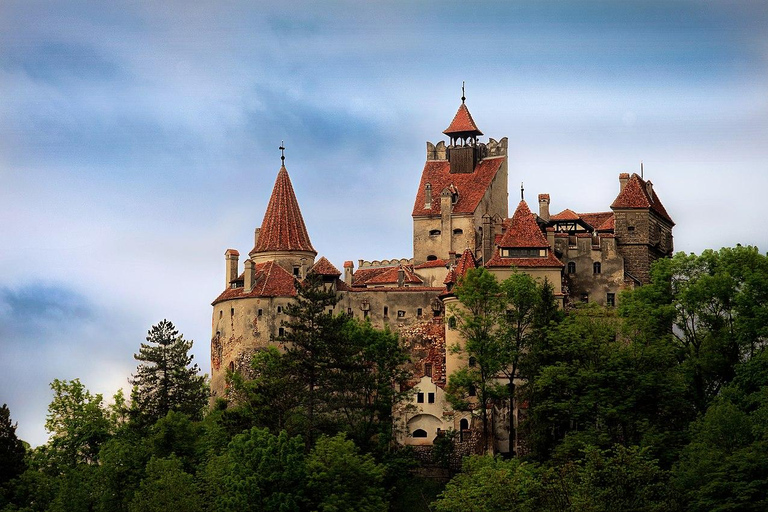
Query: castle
{"type": "Point", "coordinates": [460, 221]}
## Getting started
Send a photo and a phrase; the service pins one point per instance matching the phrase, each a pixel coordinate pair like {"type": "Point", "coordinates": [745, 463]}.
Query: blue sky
{"type": "Point", "coordinates": [138, 141]}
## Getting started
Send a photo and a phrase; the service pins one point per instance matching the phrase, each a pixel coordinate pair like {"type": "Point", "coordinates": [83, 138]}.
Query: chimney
{"type": "Point", "coordinates": [452, 257]}
{"type": "Point", "coordinates": [231, 258]}
{"type": "Point", "coordinates": [428, 196]}
{"type": "Point", "coordinates": [248, 280]}
{"type": "Point", "coordinates": [544, 207]}
{"type": "Point", "coordinates": [349, 269]}
{"type": "Point", "coordinates": [400, 277]}
{"type": "Point", "coordinates": [623, 179]}
{"type": "Point", "coordinates": [649, 189]}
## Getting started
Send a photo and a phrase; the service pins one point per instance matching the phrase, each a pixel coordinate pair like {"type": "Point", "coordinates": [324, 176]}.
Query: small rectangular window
{"type": "Point", "coordinates": [400, 313]}
{"type": "Point", "coordinates": [420, 398]}
{"type": "Point", "coordinates": [296, 271]}
{"type": "Point", "coordinates": [419, 312]}
{"type": "Point", "coordinates": [281, 332]}
{"type": "Point", "coordinates": [259, 312]}
{"type": "Point", "coordinates": [584, 297]}
{"type": "Point", "coordinates": [386, 311]}
{"type": "Point", "coordinates": [472, 390]}
{"type": "Point", "coordinates": [431, 398]}
{"type": "Point", "coordinates": [610, 300]}
{"type": "Point", "coordinates": [232, 312]}
{"type": "Point", "coordinates": [428, 369]}
{"type": "Point", "coordinates": [279, 309]}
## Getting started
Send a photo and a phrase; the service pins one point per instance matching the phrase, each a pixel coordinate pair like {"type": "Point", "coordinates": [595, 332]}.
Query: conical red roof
{"type": "Point", "coordinates": [463, 123]}
{"type": "Point", "coordinates": [283, 226]}
{"type": "Point", "coordinates": [523, 231]}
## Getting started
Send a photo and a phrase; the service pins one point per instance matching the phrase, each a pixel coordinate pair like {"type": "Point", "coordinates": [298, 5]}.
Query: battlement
{"type": "Point", "coordinates": [384, 263]}
{"type": "Point", "coordinates": [491, 149]}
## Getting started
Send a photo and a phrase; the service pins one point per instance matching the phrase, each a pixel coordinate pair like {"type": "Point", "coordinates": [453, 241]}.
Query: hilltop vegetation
{"type": "Point", "coordinates": [661, 404]}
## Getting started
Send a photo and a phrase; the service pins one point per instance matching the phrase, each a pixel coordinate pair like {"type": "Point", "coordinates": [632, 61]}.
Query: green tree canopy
{"type": "Point", "coordinates": [166, 380]}
{"type": "Point", "coordinates": [12, 450]}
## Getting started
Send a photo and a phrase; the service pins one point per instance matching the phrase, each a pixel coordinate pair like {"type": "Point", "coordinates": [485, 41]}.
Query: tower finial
{"type": "Point", "coordinates": [282, 152]}
{"type": "Point", "coordinates": [641, 170]}
{"type": "Point", "coordinates": [462, 92]}
{"type": "Point", "coordinates": [522, 192]}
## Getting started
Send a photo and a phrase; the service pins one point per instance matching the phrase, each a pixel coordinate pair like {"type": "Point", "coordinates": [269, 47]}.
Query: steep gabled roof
{"type": "Point", "coordinates": [391, 275]}
{"type": "Point", "coordinates": [523, 231]}
{"type": "Point", "coordinates": [597, 219]}
{"type": "Point", "coordinates": [566, 214]}
{"type": "Point", "coordinates": [283, 227]}
{"type": "Point", "coordinates": [470, 186]}
{"type": "Point", "coordinates": [324, 267]}
{"type": "Point", "coordinates": [462, 123]}
{"type": "Point", "coordinates": [466, 262]}
{"type": "Point", "coordinates": [636, 195]}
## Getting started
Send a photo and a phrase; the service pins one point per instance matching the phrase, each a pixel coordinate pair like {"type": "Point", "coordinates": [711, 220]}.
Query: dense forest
{"type": "Point", "coordinates": [660, 404]}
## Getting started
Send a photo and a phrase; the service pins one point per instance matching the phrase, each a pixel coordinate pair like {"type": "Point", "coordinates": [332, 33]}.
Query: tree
{"type": "Point", "coordinates": [164, 380]}
{"type": "Point", "coordinates": [166, 487]}
{"type": "Point", "coordinates": [493, 485]}
{"type": "Point", "coordinates": [259, 472]}
{"type": "Point", "coordinates": [78, 423]}
{"type": "Point", "coordinates": [339, 479]}
{"type": "Point", "coordinates": [311, 334]}
{"type": "Point", "coordinates": [479, 316]}
{"type": "Point", "coordinates": [12, 450]}
{"type": "Point", "coordinates": [713, 308]}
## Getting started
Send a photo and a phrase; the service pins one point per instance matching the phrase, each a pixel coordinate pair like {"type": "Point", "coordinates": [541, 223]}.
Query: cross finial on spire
{"type": "Point", "coordinates": [462, 92]}
{"type": "Point", "coordinates": [522, 192]}
{"type": "Point", "coordinates": [282, 151]}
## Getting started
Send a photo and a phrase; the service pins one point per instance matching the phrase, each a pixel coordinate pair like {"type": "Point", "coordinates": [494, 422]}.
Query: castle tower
{"type": "Point", "coordinates": [460, 183]}
{"type": "Point", "coordinates": [643, 228]}
{"type": "Point", "coordinates": [283, 236]}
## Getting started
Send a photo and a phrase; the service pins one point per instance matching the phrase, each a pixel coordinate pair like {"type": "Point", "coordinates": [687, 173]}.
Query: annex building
{"type": "Point", "coordinates": [460, 220]}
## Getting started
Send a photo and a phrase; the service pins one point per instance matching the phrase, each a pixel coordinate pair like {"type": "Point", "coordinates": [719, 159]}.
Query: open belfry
{"type": "Point", "coordinates": [460, 221]}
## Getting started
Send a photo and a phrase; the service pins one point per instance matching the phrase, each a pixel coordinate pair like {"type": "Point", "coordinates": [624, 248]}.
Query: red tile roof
{"type": "Point", "coordinates": [471, 186]}
{"type": "Point", "coordinates": [432, 264]}
{"type": "Point", "coordinates": [550, 261]}
{"type": "Point", "coordinates": [596, 219]}
{"type": "Point", "coordinates": [324, 267]}
{"type": "Point", "coordinates": [270, 280]}
{"type": "Point", "coordinates": [283, 226]}
{"type": "Point", "coordinates": [390, 276]}
{"type": "Point", "coordinates": [231, 252]}
{"type": "Point", "coordinates": [348, 264]}
{"type": "Point", "coordinates": [462, 123]}
{"type": "Point", "coordinates": [466, 262]}
{"type": "Point", "coordinates": [635, 195]}
{"type": "Point", "coordinates": [608, 225]}
{"type": "Point", "coordinates": [523, 231]}
{"type": "Point", "coordinates": [566, 214]}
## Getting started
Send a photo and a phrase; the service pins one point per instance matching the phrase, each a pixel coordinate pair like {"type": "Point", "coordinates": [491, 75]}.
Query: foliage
{"type": "Point", "coordinates": [718, 305]}
{"type": "Point", "coordinates": [258, 472]}
{"type": "Point", "coordinates": [78, 424]}
{"type": "Point", "coordinates": [166, 487]}
{"type": "Point", "coordinates": [339, 479]}
{"type": "Point", "coordinates": [492, 485]}
{"type": "Point", "coordinates": [164, 380]}
{"type": "Point", "coordinates": [12, 450]}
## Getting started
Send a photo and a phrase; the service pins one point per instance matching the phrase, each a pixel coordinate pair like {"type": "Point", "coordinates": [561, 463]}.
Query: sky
{"type": "Point", "coordinates": [139, 141]}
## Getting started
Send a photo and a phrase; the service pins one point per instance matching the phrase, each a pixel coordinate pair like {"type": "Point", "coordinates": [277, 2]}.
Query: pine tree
{"type": "Point", "coordinates": [11, 448]}
{"type": "Point", "coordinates": [166, 380]}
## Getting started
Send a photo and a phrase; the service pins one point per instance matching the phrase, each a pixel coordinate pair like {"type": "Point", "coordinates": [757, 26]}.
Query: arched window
{"type": "Point", "coordinates": [464, 424]}
{"type": "Point", "coordinates": [431, 257]}
{"type": "Point", "coordinates": [472, 362]}
{"type": "Point", "coordinates": [458, 231]}
{"type": "Point", "coordinates": [419, 432]}
{"type": "Point", "coordinates": [571, 267]}
{"type": "Point", "coordinates": [434, 232]}
{"type": "Point", "coordinates": [596, 267]}
{"type": "Point", "coordinates": [452, 322]}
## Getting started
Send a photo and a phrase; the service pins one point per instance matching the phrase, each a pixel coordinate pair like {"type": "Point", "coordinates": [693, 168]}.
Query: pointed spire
{"type": "Point", "coordinates": [283, 227]}
{"type": "Point", "coordinates": [463, 125]}
{"type": "Point", "coordinates": [523, 231]}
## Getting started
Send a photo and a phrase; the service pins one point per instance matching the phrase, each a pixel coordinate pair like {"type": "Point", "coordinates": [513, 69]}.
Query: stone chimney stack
{"type": "Point", "coordinates": [649, 189]}
{"type": "Point", "coordinates": [544, 207]}
{"type": "Point", "coordinates": [452, 257]}
{"type": "Point", "coordinates": [231, 257]}
{"type": "Point", "coordinates": [428, 195]}
{"type": "Point", "coordinates": [400, 277]}
{"type": "Point", "coordinates": [249, 276]}
{"type": "Point", "coordinates": [623, 179]}
{"type": "Point", "coordinates": [349, 269]}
